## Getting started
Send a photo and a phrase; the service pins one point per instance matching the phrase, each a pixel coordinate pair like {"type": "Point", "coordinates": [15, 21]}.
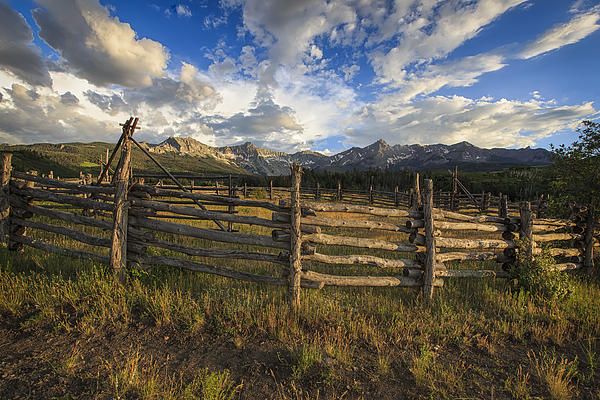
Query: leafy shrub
{"type": "Point", "coordinates": [537, 276]}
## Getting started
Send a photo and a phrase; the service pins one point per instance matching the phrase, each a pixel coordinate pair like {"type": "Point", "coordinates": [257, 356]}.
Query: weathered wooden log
{"type": "Point", "coordinates": [47, 247]}
{"type": "Point", "coordinates": [61, 199]}
{"type": "Point", "coordinates": [295, 267]}
{"type": "Point", "coordinates": [548, 228]}
{"type": "Point", "coordinates": [200, 233]}
{"type": "Point", "coordinates": [70, 233]}
{"type": "Point", "coordinates": [322, 238]}
{"type": "Point", "coordinates": [472, 226]}
{"type": "Point", "coordinates": [567, 266]}
{"type": "Point", "coordinates": [202, 197]}
{"type": "Point", "coordinates": [455, 243]}
{"type": "Point", "coordinates": [444, 214]}
{"type": "Point", "coordinates": [118, 247]}
{"type": "Point", "coordinates": [362, 260]}
{"type": "Point", "coordinates": [526, 234]}
{"type": "Point", "coordinates": [354, 224]}
{"type": "Point", "coordinates": [356, 209]}
{"type": "Point", "coordinates": [365, 281]}
{"type": "Point", "coordinates": [552, 237]}
{"type": "Point", "coordinates": [473, 256]}
{"type": "Point", "coordinates": [222, 271]}
{"type": "Point", "coordinates": [281, 258]}
{"type": "Point", "coordinates": [430, 241]}
{"type": "Point", "coordinates": [213, 215]}
{"type": "Point", "coordinates": [5, 175]}
{"type": "Point", "coordinates": [465, 273]}
{"type": "Point", "coordinates": [588, 249]}
{"type": "Point", "coordinates": [73, 187]}
{"type": "Point", "coordinates": [413, 273]}
{"type": "Point", "coordinates": [508, 236]}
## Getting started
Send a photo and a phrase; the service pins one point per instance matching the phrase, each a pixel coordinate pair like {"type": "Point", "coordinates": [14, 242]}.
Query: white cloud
{"type": "Point", "coordinates": [579, 27]}
{"type": "Point", "coordinates": [429, 37]}
{"type": "Point", "coordinates": [483, 122]}
{"type": "Point", "coordinates": [462, 72]}
{"type": "Point", "coordinates": [183, 11]}
{"type": "Point", "coordinates": [99, 47]}
{"type": "Point", "coordinates": [17, 53]}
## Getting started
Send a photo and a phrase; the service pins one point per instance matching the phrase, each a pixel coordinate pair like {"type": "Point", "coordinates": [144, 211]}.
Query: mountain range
{"type": "Point", "coordinates": [261, 161]}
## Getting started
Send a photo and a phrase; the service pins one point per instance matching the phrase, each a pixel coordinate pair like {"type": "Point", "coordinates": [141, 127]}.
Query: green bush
{"type": "Point", "coordinates": [538, 277]}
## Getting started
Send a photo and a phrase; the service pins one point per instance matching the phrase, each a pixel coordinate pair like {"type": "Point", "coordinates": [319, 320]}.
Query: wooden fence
{"type": "Point", "coordinates": [406, 245]}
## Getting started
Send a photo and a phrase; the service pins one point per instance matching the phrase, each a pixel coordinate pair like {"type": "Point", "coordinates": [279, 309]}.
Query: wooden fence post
{"type": "Point", "coordinates": [371, 191]}
{"type": "Point", "coordinates": [230, 208]}
{"type": "Point", "coordinates": [396, 197]}
{"type": "Point", "coordinates": [339, 191]}
{"type": "Point", "coordinates": [504, 206]}
{"type": "Point", "coordinates": [4, 196]}
{"type": "Point", "coordinates": [588, 255]}
{"type": "Point", "coordinates": [295, 272]}
{"type": "Point", "coordinates": [118, 249]}
{"type": "Point", "coordinates": [428, 275]}
{"type": "Point", "coordinates": [245, 190]}
{"type": "Point", "coordinates": [270, 189]}
{"type": "Point", "coordinates": [318, 192]}
{"type": "Point", "coordinates": [418, 190]}
{"type": "Point", "coordinates": [526, 232]}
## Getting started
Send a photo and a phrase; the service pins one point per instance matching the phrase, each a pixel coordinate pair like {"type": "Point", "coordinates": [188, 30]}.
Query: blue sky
{"type": "Point", "coordinates": [295, 75]}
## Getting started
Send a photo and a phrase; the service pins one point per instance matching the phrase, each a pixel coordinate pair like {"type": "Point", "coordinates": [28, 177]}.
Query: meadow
{"type": "Point", "coordinates": [70, 329]}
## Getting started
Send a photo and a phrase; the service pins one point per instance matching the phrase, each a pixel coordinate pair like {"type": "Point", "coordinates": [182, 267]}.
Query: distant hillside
{"type": "Point", "coordinates": [68, 159]}
{"type": "Point", "coordinates": [184, 154]}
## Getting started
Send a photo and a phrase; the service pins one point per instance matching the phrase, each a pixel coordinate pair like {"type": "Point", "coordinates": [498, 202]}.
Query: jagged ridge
{"type": "Point", "coordinates": [377, 155]}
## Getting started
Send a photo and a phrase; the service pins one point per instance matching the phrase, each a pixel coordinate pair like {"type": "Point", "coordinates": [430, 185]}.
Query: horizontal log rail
{"type": "Point", "coordinates": [552, 237]}
{"type": "Point", "coordinates": [281, 258]}
{"type": "Point", "coordinates": [209, 215]}
{"type": "Point", "coordinates": [321, 238]}
{"type": "Point", "coordinates": [64, 185]}
{"type": "Point", "coordinates": [59, 198]}
{"type": "Point", "coordinates": [349, 208]}
{"type": "Point", "coordinates": [345, 223]}
{"type": "Point", "coordinates": [200, 233]}
{"type": "Point", "coordinates": [59, 230]}
{"type": "Point", "coordinates": [200, 197]}
{"type": "Point", "coordinates": [222, 271]}
{"type": "Point", "coordinates": [50, 248]}
{"type": "Point", "coordinates": [362, 260]}
{"type": "Point", "coordinates": [470, 273]}
{"type": "Point", "coordinates": [473, 256]}
{"type": "Point", "coordinates": [365, 281]}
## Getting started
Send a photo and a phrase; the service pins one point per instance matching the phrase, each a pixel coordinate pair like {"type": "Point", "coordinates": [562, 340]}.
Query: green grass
{"type": "Point", "coordinates": [477, 339]}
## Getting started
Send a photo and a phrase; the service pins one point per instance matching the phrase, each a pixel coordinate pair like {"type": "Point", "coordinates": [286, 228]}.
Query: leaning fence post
{"type": "Point", "coordinates": [295, 272]}
{"type": "Point", "coordinates": [4, 195]}
{"type": "Point", "coordinates": [428, 276]}
{"type": "Point", "coordinates": [118, 249]}
{"type": "Point", "coordinates": [526, 232]}
{"type": "Point", "coordinates": [588, 255]}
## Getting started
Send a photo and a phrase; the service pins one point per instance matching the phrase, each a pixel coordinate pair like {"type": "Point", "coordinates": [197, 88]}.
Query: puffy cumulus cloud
{"type": "Point", "coordinates": [579, 27]}
{"type": "Point", "coordinates": [483, 122]}
{"type": "Point", "coordinates": [289, 27]}
{"type": "Point", "coordinates": [111, 104]}
{"type": "Point", "coordinates": [265, 124]}
{"type": "Point", "coordinates": [99, 47]}
{"type": "Point", "coordinates": [29, 116]}
{"type": "Point", "coordinates": [17, 53]}
{"type": "Point", "coordinates": [185, 95]}
{"type": "Point", "coordinates": [426, 37]}
{"type": "Point", "coordinates": [459, 73]}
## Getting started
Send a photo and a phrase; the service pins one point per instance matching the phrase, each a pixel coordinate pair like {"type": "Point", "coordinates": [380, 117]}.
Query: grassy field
{"type": "Point", "coordinates": [71, 330]}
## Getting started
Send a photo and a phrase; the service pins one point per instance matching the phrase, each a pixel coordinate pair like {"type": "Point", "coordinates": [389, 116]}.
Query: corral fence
{"type": "Point", "coordinates": [298, 241]}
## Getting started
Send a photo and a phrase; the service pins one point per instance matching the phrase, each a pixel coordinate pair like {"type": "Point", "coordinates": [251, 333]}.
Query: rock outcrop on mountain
{"type": "Point", "coordinates": [380, 154]}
